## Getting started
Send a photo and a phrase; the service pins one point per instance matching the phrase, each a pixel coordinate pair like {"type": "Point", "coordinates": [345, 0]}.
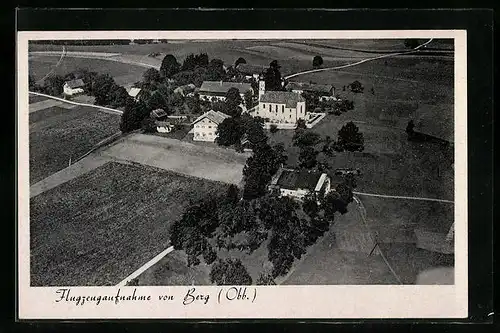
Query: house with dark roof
{"type": "Point", "coordinates": [320, 89]}
{"type": "Point", "coordinates": [298, 183]}
{"type": "Point", "coordinates": [211, 90]}
{"type": "Point", "coordinates": [283, 107]}
{"type": "Point", "coordinates": [205, 126]}
{"type": "Point", "coordinates": [73, 87]}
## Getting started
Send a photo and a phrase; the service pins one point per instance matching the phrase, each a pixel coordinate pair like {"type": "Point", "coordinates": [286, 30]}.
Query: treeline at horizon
{"type": "Point", "coordinates": [99, 41]}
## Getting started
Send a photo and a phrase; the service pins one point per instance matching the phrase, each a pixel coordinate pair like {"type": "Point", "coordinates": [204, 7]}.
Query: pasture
{"type": "Point", "coordinates": [102, 226]}
{"type": "Point", "coordinates": [214, 163]}
{"type": "Point", "coordinates": [58, 134]}
{"type": "Point", "coordinates": [124, 74]}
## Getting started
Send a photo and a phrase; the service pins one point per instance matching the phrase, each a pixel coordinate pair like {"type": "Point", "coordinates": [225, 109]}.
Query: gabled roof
{"type": "Point", "coordinates": [220, 87]}
{"type": "Point", "coordinates": [215, 116]}
{"type": "Point", "coordinates": [163, 124]}
{"type": "Point", "coordinates": [134, 92]}
{"type": "Point", "coordinates": [320, 88]}
{"type": "Point", "coordinates": [158, 113]}
{"type": "Point", "coordinates": [250, 69]}
{"type": "Point", "coordinates": [76, 83]}
{"type": "Point", "coordinates": [298, 179]}
{"type": "Point", "coordinates": [282, 97]}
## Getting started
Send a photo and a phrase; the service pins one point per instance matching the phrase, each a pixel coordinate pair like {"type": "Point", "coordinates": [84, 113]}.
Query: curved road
{"type": "Point", "coordinates": [358, 62]}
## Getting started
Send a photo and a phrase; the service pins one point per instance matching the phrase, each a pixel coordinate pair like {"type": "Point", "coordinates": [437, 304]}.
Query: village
{"type": "Point", "coordinates": [237, 173]}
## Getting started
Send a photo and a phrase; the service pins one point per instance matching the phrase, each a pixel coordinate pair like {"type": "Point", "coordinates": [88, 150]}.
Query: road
{"type": "Point", "coordinates": [402, 197]}
{"type": "Point", "coordinates": [358, 62]}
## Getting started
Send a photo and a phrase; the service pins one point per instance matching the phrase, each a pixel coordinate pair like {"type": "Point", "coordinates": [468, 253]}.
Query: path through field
{"type": "Point", "coordinates": [358, 62]}
{"type": "Point", "coordinates": [63, 52]}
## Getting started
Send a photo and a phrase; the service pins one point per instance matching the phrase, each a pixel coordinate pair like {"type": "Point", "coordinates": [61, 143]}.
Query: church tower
{"type": "Point", "coordinates": [262, 87]}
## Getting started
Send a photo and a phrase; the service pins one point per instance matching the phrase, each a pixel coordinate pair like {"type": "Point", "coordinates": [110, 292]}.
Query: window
{"type": "Point", "coordinates": [276, 108]}
{"type": "Point", "coordinates": [282, 109]}
{"type": "Point", "coordinates": [290, 116]}
{"type": "Point", "coordinates": [204, 134]}
{"type": "Point", "coordinates": [209, 126]}
{"type": "Point", "coordinates": [301, 109]}
{"type": "Point", "coordinates": [263, 106]}
{"type": "Point", "coordinates": [269, 107]}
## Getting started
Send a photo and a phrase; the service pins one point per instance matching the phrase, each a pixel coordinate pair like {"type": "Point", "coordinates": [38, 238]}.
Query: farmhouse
{"type": "Point", "coordinates": [135, 93]}
{"type": "Point", "coordinates": [218, 89]}
{"type": "Point", "coordinates": [73, 87]}
{"type": "Point", "coordinates": [251, 71]}
{"type": "Point", "coordinates": [324, 91]}
{"type": "Point", "coordinates": [281, 107]}
{"type": "Point", "coordinates": [205, 126]}
{"type": "Point", "coordinates": [185, 90]}
{"type": "Point", "coordinates": [297, 183]}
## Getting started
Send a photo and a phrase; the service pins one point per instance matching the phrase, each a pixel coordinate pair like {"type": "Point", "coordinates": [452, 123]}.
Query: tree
{"type": "Point", "coordinates": [148, 125]}
{"type": "Point", "coordinates": [229, 132]}
{"type": "Point", "coordinates": [260, 167]}
{"type": "Point", "coordinates": [273, 128]}
{"type": "Point", "coordinates": [209, 255]}
{"type": "Point", "coordinates": [192, 61]}
{"type": "Point", "coordinates": [230, 272]}
{"type": "Point", "coordinates": [232, 195]}
{"type": "Point", "coordinates": [307, 157]}
{"type": "Point", "coordinates": [301, 124]}
{"type": "Point", "coordinates": [118, 97]}
{"type": "Point", "coordinates": [254, 130]}
{"type": "Point", "coordinates": [151, 76]}
{"type": "Point", "coordinates": [306, 138]}
{"type": "Point", "coordinates": [272, 77]}
{"type": "Point", "coordinates": [312, 100]}
{"type": "Point", "coordinates": [356, 87]}
{"type": "Point", "coordinates": [133, 116]}
{"type": "Point", "coordinates": [265, 279]}
{"type": "Point", "coordinates": [349, 137]}
{"type": "Point", "coordinates": [233, 97]}
{"type": "Point", "coordinates": [158, 101]}
{"type": "Point", "coordinates": [102, 88]}
{"type": "Point", "coordinates": [215, 70]}
{"type": "Point", "coordinates": [238, 61]}
{"type": "Point", "coordinates": [169, 66]}
{"type": "Point", "coordinates": [53, 85]}
{"type": "Point", "coordinates": [248, 97]}
{"type": "Point", "coordinates": [317, 61]}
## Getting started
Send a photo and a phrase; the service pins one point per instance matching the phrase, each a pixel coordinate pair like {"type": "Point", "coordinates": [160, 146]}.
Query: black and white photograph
{"type": "Point", "coordinates": [247, 161]}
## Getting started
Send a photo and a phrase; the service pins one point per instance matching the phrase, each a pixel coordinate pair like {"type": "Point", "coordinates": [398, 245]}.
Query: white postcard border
{"type": "Point", "coordinates": [329, 301]}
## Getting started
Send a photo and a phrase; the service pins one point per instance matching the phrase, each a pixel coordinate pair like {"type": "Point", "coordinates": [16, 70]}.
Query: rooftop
{"type": "Point", "coordinates": [215, 116]}
{"type": "Point", "coordinates": [134, 91]}
{"type": "Point", "coordinates": [282, 97]}
{"type": "Point", "coordinates": [298, 179]}
{"type": "Point", "coordinates": [158, 113]}
{"type": "Point", "coordinates": [220, 87]}
{"type": "Point", "coordinates": [76, 83]}
{"type": "Point", "coordinates": [321, 88]}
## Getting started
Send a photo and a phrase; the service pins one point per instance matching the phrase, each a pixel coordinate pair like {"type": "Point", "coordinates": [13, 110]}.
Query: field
{"type": "Point", "coordinates": [99, 228]}
{"type": "Point", "coordinates": [123, 74]}
{"type": "Point", "coordinates": [214, 163]}
{"type": "Point", "coordinates": [58, 134]}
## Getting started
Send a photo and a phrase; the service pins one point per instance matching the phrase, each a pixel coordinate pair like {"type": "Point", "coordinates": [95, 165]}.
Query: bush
{"type": "Point", "coordinates": [230, 272]}
{"type": "Point", "coordinates": [273, 128]}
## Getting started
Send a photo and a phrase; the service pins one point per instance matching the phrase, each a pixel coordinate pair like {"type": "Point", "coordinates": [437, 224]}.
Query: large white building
{"type": "Point", "coordinates": [205, 126]}
{"type": "Point", "coordinates": [217, 90]}
{"type": "Point", "coordinates": [283, 107]}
